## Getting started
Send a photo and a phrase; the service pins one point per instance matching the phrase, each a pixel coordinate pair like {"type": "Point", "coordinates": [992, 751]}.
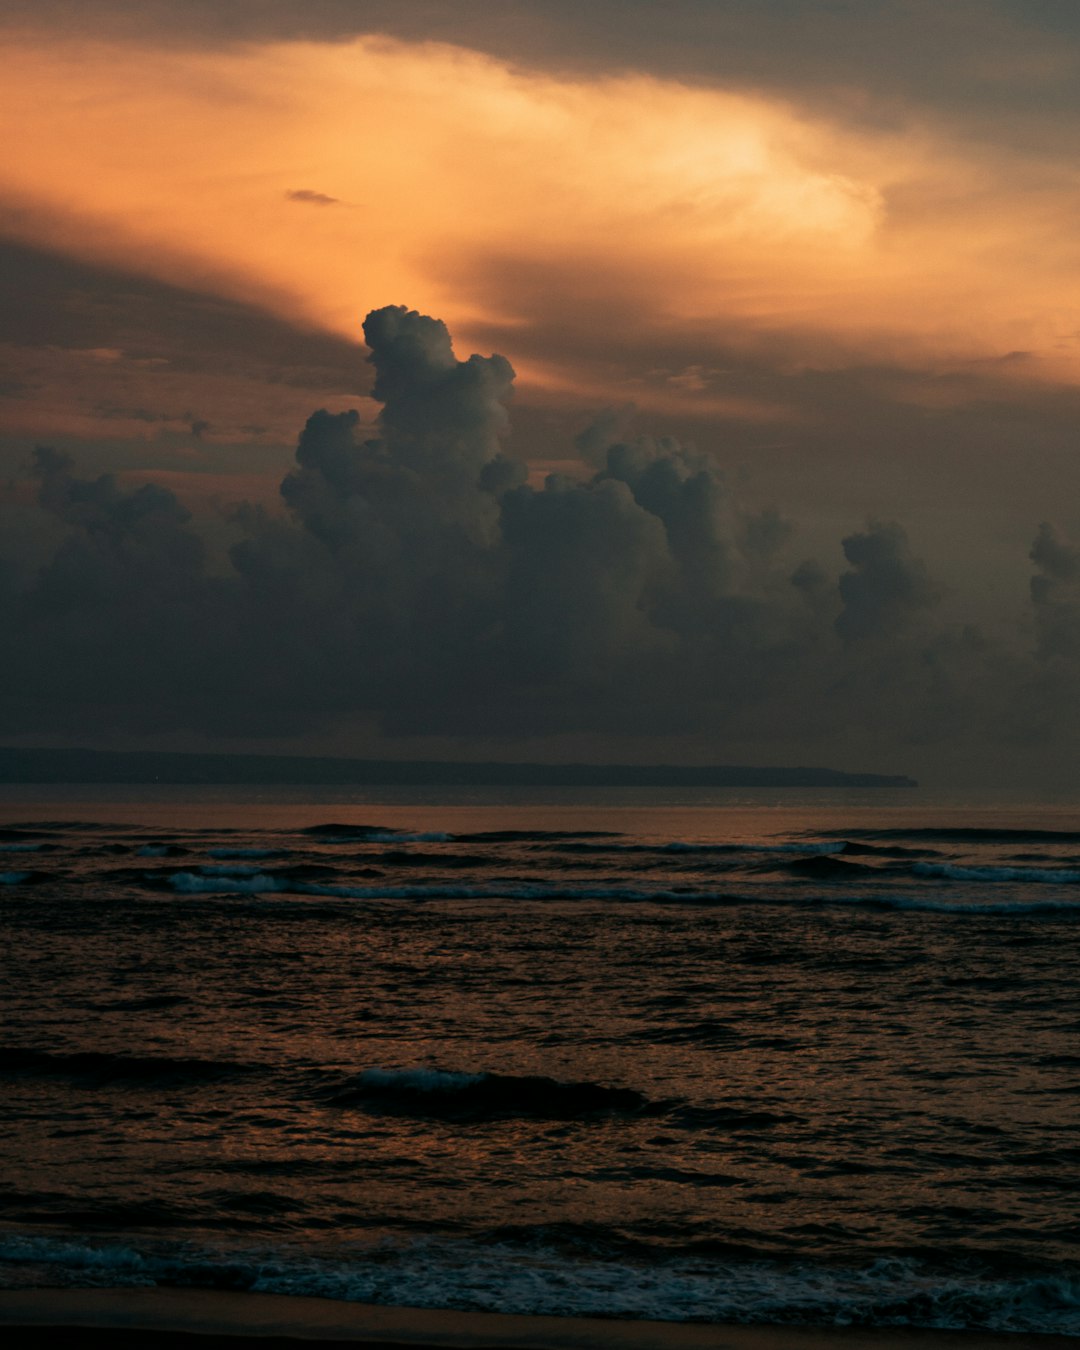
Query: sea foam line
{"type": "Point", "coordinates": [261, 883]}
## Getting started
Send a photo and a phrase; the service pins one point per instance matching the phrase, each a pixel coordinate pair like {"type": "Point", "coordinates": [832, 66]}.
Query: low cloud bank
{"type": "Point", "coordinates": [417, 580]}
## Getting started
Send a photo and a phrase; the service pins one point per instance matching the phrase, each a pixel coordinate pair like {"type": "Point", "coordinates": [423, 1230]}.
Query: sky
{"type": "Point", "coordinates": [755, 441]}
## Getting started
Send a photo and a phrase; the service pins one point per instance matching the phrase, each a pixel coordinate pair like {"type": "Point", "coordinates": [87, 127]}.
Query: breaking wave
{"type": "Point", "coordinates": [521, 1272]}
{"type": "Point", "coordinates": [954, 872]}
{"type": "Point", "coordinates": [235, 882]}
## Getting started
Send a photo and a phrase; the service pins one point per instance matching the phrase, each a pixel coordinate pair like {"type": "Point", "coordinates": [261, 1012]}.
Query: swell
{"type": "Point", "coordinates": [965, 835]}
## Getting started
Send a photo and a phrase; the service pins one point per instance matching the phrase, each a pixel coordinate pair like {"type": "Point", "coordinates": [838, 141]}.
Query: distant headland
{"type": "Point", "coordinates": [150, 766]}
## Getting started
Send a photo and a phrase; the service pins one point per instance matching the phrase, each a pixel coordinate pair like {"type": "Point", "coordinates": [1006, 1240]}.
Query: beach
{"type": "Point", "coordinates": [170, 1319]}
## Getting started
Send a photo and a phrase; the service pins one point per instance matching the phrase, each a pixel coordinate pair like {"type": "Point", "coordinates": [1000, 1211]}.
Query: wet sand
{"type": "Point", "coordinates": [190, 1319]}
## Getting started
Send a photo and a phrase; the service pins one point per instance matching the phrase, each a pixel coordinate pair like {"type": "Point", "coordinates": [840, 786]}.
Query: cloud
{"type": "Point", "coordinates": [886, 588]}
{"type": "Point", "coordinates": [98, 356]}
{"type": "Point", "coordinates": [808, 240]}
{"type": "Point", "coordinates": [418, 584]}
{"type": "Point", "coordinates": [1055, 594]}
{"type": "Point", "coordinates": [312, 198]}
{"type": "Point", "coordinates": [1011, 63]}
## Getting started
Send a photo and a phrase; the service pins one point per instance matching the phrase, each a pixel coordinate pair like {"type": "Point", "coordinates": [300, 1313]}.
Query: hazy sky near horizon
{"type": "Point", "coordinates": [811, 268]}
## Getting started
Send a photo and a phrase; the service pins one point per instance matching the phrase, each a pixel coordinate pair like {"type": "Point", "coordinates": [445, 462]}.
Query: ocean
{"type": "Point", "coordinates": [780, 1057]}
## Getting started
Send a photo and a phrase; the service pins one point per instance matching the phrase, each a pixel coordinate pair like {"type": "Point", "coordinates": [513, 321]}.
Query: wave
{"type": "Point", "coordinates": [436, 1093]}
{"type": "Point", "coordinates": [225, 853]}
{"type": "Point", "coordinates": [966, 834]}
{"type": "Point", "coordinates": [954, 872]}
{"type": "Point", "coordinates": [22, 877]}
{"type": "Point", "coordinates": [528, 1273]}
{"type": "Point", "coordinates": [262, 883]}
{"type": "Point", "coordinates": [415, 858]}
{"type": "Point", "coordinates": [827, 866]}
{"type": "Point", "coordinates": [974, 908]}
{"type": "Point", "coordinates": [532, 836]}
{"type": "Point", "coordinates": [850, 846]}
{"type": "Point", "coordinates": [102, 1068]}
{"type": "Point", "coordinates": [374, 834]}
{"type": "Point", "coordinates": [337, 831]}
{"type": "Point", "coordinates": [692, 847]}
{"type": "Point", "coordinates": [402, 837]}
{"type": "Point", "coordinates": [230, 871]}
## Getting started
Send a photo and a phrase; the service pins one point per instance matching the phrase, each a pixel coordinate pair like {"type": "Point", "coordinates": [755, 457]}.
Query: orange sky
{"type": "Point", "coordinates": [452, 172]}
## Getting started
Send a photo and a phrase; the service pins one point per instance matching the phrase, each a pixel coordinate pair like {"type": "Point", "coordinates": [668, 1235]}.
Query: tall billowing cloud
{"type": "Point", "coordinates": [415, 582]}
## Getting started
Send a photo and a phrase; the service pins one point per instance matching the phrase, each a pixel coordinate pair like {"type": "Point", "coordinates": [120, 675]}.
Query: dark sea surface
{"type": "Point", "coordinates": [802, 1057]}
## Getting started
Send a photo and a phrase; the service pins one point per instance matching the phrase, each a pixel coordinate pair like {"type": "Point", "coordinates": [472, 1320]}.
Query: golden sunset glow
{"type": "Point", "coordinates": [318, 180]}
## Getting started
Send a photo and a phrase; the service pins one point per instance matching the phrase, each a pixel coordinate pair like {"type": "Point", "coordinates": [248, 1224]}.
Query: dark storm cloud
{"type": "Point", "coordinates": [95, 357]}
{"type": "Point", "coordinates": [417, 580]}
{"type": "Point", "coordinates": [886, 588]}
{"type": "Point", "coordinates": [47, 299]}
{"type": "Point", "coordinates": [1055, 593]}
{"type": "Point", "coordinates": [981, 59]}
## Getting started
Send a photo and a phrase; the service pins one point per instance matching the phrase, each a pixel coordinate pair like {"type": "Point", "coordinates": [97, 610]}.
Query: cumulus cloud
{"type": "Point", "coordinates": [1055, 594]}
{"type": "Point", "coordinates": [886, 588]}
{"type": "Point", "coordinates": [417, 580]}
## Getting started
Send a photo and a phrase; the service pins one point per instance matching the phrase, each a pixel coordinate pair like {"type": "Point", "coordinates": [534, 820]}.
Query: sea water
{"type": "Point", "coordinates": [796, 1057]}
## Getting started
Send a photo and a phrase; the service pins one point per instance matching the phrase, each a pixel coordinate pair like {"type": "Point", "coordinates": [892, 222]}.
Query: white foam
{"type": "Point", "coordinates": [19, 1249]}
{"type": "Point", "coordinates": [433, 1273]}
{"type": "Point", "coordinates": [419, 1080]}
{"type": "Point", "coordinates": [953, 872]}
{"type": "Point", "coordinates": [224, 881]}
{"type": "Point", "coordinates": [392, 837]}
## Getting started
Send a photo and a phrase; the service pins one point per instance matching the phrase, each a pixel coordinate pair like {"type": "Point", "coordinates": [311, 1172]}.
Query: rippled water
{"type": "Point", "coordinates": [743, 1061]}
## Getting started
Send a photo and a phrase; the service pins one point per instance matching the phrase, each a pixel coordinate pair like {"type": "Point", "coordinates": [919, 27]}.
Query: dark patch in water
{"type": "Point", "coordinates": [401, 858]}
{"type": "Point", "coordinates": [480, 1097]}
{"type": "Point", "coordinates": [335, 831]}
{"type": "Point", "coordinates": [875, 851]}
{"type": "Point", "coordinates": [95, 1068]}
{"type": "Point", "coordinates": [529, 836]}
{"type": "Point", "coordinates": [825, 865]}
{"type": "Point", "coordinates": [971, 834]}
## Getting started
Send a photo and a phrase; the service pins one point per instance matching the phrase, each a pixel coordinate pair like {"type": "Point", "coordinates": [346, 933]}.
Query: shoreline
{"type": "Point", "coordinates": [196, 1319]}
